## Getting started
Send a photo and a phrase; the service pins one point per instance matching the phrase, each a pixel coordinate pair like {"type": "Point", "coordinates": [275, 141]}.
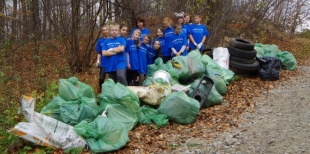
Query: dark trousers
{"type": "Point", "coordinates": [166, 58]}
{"type": "Point", "coordinates": [102, 76]}
{"type": "Point", "coordinates": [131, 77]}
{"type": "Point", "coordinates": [119, 76]}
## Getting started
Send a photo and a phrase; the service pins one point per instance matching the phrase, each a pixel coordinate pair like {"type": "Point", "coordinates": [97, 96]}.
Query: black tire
{"type": "Point", "coordinates": [245, 67]}
{"type": "Point", "coordinates": [241, 44]}
{"type": "Point", "coordinates": [245, 54]}
{"type": "Point", "coordinates": [241, 60]}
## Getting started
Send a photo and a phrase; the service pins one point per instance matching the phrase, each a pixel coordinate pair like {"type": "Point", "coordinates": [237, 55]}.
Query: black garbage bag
{"type": "Point", "coordinates": [269, 68]}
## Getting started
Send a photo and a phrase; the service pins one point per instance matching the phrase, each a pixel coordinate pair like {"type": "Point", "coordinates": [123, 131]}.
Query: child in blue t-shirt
{"type": "Point", "coordinates": [123, 30]}
{"type": "Point", "coordinates": [113, 49]}
{"type": "Point", "coordinates": [198, 34]}
{"type": "Point", "coordinates": [177, 42]}
{"type": "Point", "coordinates": [168, 31]}
{"type": "Point", "coordinates": [101, 60]}
{"type": "Point", "coordinates": [161, 38]}
{"type": "Point", "coordinates": [132, 46]}
{"type": "Point", "coordinates": [154, 52]}
{"type": "Point", "coordinates": [142, 54]}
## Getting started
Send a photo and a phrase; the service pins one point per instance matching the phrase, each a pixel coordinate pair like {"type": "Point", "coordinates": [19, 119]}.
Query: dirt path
{"type": "Point", "coordinates": [280, 123]}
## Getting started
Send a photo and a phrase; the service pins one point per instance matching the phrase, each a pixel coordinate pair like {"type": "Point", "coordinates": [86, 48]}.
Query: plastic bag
{"type": "Point", "coordinates": [76, 102]}
{"type": "Point", "coordinates": [288, 60]}
{"type": "Point", "coordinates": [219, 83]}
{"type": "Point", "coordinates": [119, 94]}
{"type": "Point", "coordinates": [214, 97]}
{"type": "Point", "coordinates": [72, 89]}
{"type": "Point", "coordinates": [103, 134]}
{"type": "Point", "coordinates": [269, 68]}
{"type": "Point", "coordinates": [179, 108]}
{"type": "Point", "coordinates": [226, 75]}
{"type": "Point", "coordinates": [73, 112]}
{"type": "Point", "coordinates": [44, 130]}
{"type": "Point", "coordinates": [149, 114]}
{"type": "Point", "coordinates": [52, 109]}
{"type": "Point", "coordinates": [221, 57]}
{"type": "Point", "coordinates": [119, 114]}
{"type": "Point", "coordinates": [189, 67]}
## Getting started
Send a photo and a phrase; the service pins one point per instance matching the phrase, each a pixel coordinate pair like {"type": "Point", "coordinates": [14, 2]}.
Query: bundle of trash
{"type": "Point", "coordinates": [76, 118]}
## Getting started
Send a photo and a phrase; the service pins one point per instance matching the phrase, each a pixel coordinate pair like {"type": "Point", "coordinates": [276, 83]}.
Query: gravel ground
{"type": "Point", "coordinates": [280, 124]}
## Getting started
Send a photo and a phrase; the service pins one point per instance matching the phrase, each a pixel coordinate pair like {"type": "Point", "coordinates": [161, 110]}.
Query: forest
{"type": "Point", "coordinates": [42, 41]}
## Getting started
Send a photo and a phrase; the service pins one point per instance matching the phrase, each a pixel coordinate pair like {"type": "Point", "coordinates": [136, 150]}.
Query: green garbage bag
{"type": "Point", "coordinates": [72, 89]}
{"type": "Point", "coordinates": [151, 69]}
{"type": "Point", "coordinates": [194, 54]}
{"type": "Point", "coordinates": [226, 75]}
{"type": "Point", "coordinates": [73, 112]}
{"type": "Point", "coordinates": [103, 134]}
{"type": "Point", "coordinates": [149, 114]}
{"type": "Point", "coordinates": [147, 81]}
{"type": "Point", "coordinates": [52, 109]}
{"type": "Point", "coordinates": [288, 61]}
{"type": "Point", "coordinates": [189, 67]}
{"type": "Point", "coordinates": [270, 50]}
{"type": "Point", "coordinates": [174, 73]}
{"type": "Point", "coordinates": [160, 120]}
{"type": "Point", "coordinates": [219, 83]}
{"type": "Point", "coordinates": [120, 114]}
{"type": "Point", "coordinates": [119, 94]}
{"type": "Point", "coordinates": [179, 107]}
{"type": "Point", "coordinates": [214, 97]}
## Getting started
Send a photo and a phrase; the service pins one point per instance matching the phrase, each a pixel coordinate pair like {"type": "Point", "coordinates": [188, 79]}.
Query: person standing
{"type": "Point", "coordinates": [177, 42]}
{"type": "Point", "coordinates": [101, 60]}
{"type": "Point", "coordinates": [140, 24]}
{"type": "Point", "coordinates": [132, 46]}
{"type": "Point", "coordinates": [113, 49]}
{"type": "Point", "coordinates": [168, 32]}
{"type": "Point", "coordinates": [198, 34]}
{"type": "Point", "coordinates": [185, 28]}
{"type": "Point", "coordinates": [142, 58]}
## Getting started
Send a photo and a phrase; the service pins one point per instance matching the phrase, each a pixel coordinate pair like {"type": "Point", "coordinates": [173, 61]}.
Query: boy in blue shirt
{"type": "Point", "coordinates": [113, 49]}
{"type": "Point", "coordinates": [198, 34]}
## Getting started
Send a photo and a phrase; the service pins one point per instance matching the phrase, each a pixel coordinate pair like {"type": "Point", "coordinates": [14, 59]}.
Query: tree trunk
{"type": "Point", "coordinates": [2, 23]}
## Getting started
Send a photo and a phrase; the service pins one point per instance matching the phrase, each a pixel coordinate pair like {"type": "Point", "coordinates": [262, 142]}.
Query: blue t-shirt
{"type": "Point", "coordinates": [151, 56]}
{"type": "Point", "coordinates": [117, 61]}
{"type": "Point", "coordinates": [176, 41]}
{"type": "Point", "coordinates": [185, 30]}
{"type": "Point", "coordinates": [131, 48]}
{"type": "Point", "coordinates": [99, 50]}
{"type": "Point", "coordinates": [163, 45]}
{"type": "Point", "coordinates": [144, 32]}
{"type": "Point", "coordinates": [142, 53]}
{"type": "Point", "coordinates": [168, 32]}
{"type": "Point", "coordinates": [198, 32]}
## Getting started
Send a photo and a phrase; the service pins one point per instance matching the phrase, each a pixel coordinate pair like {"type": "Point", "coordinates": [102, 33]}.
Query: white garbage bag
{"type": "Point", "coordinates": [46, 131]}
{"type": "Point", "coordinates": [221, 57]}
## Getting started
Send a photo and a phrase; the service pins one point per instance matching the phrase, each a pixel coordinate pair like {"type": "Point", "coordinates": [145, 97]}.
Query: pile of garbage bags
{"type": "Point", "coordinates": [287, 59]}
{"type": "Point", "coordinates": [76, 118]}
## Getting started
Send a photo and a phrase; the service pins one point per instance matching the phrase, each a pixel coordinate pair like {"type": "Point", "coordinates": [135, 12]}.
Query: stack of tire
{"type": "Point", "coordinates": [242, 55]}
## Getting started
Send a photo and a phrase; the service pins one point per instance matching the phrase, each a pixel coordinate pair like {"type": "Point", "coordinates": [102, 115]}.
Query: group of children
{"type": "Point", "coordinates": [123, 59]}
